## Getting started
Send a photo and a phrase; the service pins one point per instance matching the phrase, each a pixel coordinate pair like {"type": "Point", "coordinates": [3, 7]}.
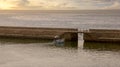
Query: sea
{"type": "Point", "coordinates": [43, 53]}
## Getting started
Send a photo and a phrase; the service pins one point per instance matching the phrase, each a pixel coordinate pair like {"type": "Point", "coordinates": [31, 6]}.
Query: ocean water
{"type": "Point", "coordinates": [43, 53]}
{"type": "Point", "coordinates": [67, 19]}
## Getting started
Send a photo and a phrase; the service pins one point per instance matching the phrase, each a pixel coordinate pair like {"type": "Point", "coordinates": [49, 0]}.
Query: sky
{"type": "Point", "coordinates": [59, 4]}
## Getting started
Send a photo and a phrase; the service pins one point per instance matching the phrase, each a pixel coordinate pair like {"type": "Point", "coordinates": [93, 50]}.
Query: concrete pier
{"type": "Point", "coordinates": [42, 33]}
{"type": "Point", "coordinates": [102, 35]}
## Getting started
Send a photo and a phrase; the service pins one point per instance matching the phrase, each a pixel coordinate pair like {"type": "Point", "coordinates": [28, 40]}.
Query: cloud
{"type": "Point", "coordinates": [53, 4]}
{"type": "Point", "coordinates": [115, 5]}
{"type": "Point", "coordinates": [100, 4]}
{"type": "Point", "coordinates": [41, 4]}
{"type": "Point", "coordinates": [11, 4]}
{"type": "Point", "coordinates": [22, 2]}
{"type": "Point", "coordinates": [64, 4]}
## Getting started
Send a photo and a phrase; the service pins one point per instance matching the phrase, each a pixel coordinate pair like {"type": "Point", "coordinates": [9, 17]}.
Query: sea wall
{"type": "Point", "coordinates": [33, 32]}
{"type": "Point", "coordinates": [102, 35]}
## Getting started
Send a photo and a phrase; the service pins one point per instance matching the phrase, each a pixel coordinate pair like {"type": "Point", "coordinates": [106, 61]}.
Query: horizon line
{"type": "Point", "coordinates": [61, 10]}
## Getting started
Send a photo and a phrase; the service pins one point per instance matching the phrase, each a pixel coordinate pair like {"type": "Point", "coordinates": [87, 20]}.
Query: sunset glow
{"type": "Point", "coordinates": [59, 4]}
{"type": "Point", "coordinates": [5, 5]}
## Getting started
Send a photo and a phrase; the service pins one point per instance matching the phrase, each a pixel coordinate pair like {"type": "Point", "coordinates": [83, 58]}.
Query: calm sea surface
{"type": "Point", "coordinates": [43, 53]}
{"type": "Point", "coordinates": [67, 19]}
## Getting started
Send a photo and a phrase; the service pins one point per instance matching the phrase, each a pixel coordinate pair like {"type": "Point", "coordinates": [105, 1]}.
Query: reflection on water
{"type": "Point", "coordinates": [69, 44]}
{"type": "Point", "coordinates": [22, 40]}
{"type": "Point", "coordinates": [102, 46]}
{"type": "Point", "coordinates": [43, 53]}
{"type": "Point", "coordinates": [4, 40]}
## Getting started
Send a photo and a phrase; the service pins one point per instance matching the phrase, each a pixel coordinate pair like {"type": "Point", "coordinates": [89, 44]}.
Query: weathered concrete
{"type": "Point", "coordinates": [96, 35]}
{"type": "Point", "coordinates": [43, 33]}
{"type": "Point", "coordinates": [70, 36]}
{"type": "Point", "coordinates": [102, 35]}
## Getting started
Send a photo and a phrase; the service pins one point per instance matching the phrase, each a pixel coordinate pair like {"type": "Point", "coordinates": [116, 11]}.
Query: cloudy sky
{"type": "Point", "coordinates": [59, 4]}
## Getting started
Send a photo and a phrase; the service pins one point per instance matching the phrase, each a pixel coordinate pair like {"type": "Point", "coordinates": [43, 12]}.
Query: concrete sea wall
{"type": "Point", "coordinates": [102, 35]}
{"type": "Point", "coordinates": [43, 33]}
